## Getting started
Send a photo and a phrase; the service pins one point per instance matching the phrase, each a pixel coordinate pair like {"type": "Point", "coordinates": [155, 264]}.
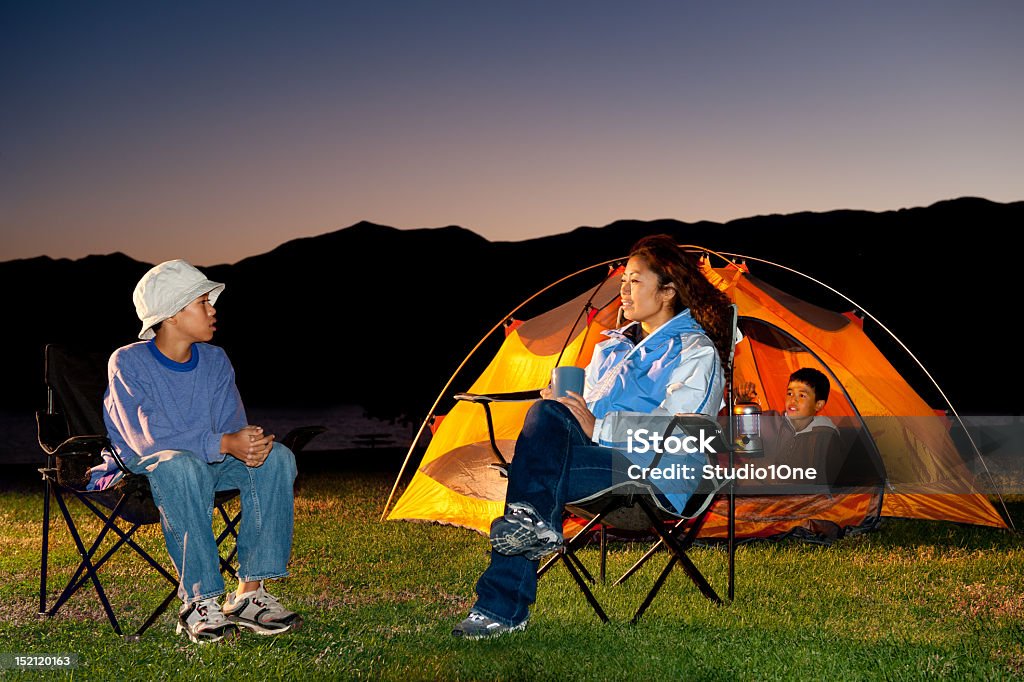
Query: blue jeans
{"type": "Point", "coordinates": [554, 463]}
{"type": "Point", "coordinates": [183, 488]}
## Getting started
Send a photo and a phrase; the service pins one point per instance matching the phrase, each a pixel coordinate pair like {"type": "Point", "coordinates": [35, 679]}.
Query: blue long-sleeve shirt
{"type": "Point", "coordinates": [153, 403]}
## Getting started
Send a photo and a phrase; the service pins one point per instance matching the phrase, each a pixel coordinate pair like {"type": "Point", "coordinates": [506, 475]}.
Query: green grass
{"type": "Point", "coordinates": [913, 600]}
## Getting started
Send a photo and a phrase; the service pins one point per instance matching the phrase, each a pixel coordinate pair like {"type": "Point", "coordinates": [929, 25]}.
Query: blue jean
{"type": "Point", "coordinates": [554, 463]}
{"type": "Point", "coordinates": [183, 488]}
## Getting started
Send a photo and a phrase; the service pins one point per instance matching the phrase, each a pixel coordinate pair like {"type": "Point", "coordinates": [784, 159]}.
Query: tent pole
{"type": "Point", "coordinates": [730, 405]}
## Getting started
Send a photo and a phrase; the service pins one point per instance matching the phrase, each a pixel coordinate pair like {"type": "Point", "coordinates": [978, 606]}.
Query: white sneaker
{"type": "Point", "coordinates": [478, 626]}
{"type": "Point", "coordinates": [203, 622]}
{"type": "Point", "coordinates": [260, 612]}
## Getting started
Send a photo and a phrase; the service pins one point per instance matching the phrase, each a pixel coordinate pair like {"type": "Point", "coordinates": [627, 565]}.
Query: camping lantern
{"type": "Point", "coordinates": [747, 418]}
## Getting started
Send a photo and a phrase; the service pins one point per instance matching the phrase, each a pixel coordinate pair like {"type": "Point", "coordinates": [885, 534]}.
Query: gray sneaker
{"type": "Point", "coordinates": [478, 626]}
{"type": "Point", "coordinates": [260, 612]}
{"type": "Point", "coordinates": [203, 622]}
{"type": "Point", "coordinates": [522, 531]}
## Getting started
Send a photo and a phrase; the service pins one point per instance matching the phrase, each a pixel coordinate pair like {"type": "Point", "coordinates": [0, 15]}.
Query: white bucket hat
{"type": "Point", "coordinates": [166, 289]}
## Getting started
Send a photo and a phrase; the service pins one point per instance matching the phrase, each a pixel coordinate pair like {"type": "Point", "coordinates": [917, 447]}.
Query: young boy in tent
{"type": "Point", "coordinates": [804, 439]}
{"type": "Point", "coordinates": [174, 415]}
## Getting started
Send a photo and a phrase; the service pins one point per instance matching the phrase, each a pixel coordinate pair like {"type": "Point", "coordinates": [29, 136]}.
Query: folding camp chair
{"type": "Point", "coordinates": [686, 519]}
{"type": "Point", "coordinates": [639, 508]}
{"type": "Point", "coordinates": [70, 434]}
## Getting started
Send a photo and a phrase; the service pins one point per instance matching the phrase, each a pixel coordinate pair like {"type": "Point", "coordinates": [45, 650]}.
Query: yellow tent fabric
{"type": "Point", "coordinates": [926, 479]}
{"type": "Point", "coordinates": [454, 483]}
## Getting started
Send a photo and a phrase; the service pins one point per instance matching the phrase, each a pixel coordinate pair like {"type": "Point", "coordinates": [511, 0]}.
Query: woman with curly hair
{"type": "Point", "coordinates": [665, 361]}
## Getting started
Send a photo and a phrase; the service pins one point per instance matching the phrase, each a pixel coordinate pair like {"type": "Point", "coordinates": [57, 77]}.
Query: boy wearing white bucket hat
{"type": "Point", "coordinates": [174, 414]}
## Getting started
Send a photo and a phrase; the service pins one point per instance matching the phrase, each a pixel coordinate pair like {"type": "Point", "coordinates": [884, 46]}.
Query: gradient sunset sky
{"type": "Point", "coordinates": [218, 130]}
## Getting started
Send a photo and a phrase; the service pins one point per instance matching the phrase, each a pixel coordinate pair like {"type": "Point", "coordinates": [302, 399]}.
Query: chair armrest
{"type": "Point", "coordinates": [52, 432]}
{"type": "Point", "coordinates": [81, 446]}
{"type": "Point", "coordinates": [299, 438]}
{"type": "Point", "coordinates": [76, 455]}
{"type": "Point", "coordinates": [485, 398]}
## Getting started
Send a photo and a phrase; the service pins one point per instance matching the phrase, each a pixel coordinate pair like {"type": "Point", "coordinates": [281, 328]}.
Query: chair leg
{"type": "Point", "coordinates": [88, 568]}
{"type": "Point", "coordinates": [78, 579]}
{"type": "Point", "coordinates": [579, 573]}
{"type": "Point", "coordinates": [547, 564]}
{"type": "Point", "coordinates": [87, 565]}
{"type": "Point", "coordinates": [678, 552]}
{"type": "Point", "coordinates": [44, 554]}
{"type": "Point", "coordinates": [231, 524]}
{"type": "Point", "coordinates": [732, 533]}
{"type": "Point", "coordinates": [571, 546]}
{"type": "Point", "coordinates": [644, 559]}
{"type": "Point", "coordinates": [163, 605]}
{"type": "Point", "coordinates": [156, 614]}
{"type": "Point", "coordinates": [126, 538]}
{"type": "Point", "coordinates": [580, 567]}
{"type": "Point", "coordinates": [698, 578]}
{"type": "Point", "coordinates": [81, 574]}
{"type": "Point", "coordinates": [604, 552]}
{"type": "Point", "coordinates": [654, 590]}
{"type": "Point", "coordinates": [583, 587]}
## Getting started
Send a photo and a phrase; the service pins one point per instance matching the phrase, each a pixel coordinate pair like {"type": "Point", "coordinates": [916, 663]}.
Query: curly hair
{"type": "Point", "coordinates": [675, 267]}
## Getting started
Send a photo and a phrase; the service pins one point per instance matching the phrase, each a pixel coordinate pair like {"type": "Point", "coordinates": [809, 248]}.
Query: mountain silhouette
{"type": "Point", "coordinates": [379, 316]}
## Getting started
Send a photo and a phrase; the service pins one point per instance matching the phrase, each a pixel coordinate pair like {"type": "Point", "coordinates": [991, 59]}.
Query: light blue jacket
{"type": "Point", "coordinates": [674, 370]}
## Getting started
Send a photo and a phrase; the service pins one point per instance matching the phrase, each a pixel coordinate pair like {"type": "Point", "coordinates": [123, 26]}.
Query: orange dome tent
{"type": "Point", "coordinates": [902, 454]}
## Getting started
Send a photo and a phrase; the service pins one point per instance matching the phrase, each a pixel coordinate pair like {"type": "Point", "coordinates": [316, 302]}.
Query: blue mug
{"type": "Point", "coordinates": [565, 379]}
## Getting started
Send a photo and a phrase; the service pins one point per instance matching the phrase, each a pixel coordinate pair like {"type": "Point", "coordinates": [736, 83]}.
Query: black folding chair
{"type": "Point", "coordinates": [637, 507]}
{"type": "Point", "coordinates": [729, 486]}
{"type": "Point", "coordinates": [72, 434]}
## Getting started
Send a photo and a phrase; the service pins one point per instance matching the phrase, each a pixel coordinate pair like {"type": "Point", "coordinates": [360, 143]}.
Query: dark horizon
{"type": "Point", "coordinates": [459, 285]}
{"type": "Point", "coordinates": [703, 224]}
